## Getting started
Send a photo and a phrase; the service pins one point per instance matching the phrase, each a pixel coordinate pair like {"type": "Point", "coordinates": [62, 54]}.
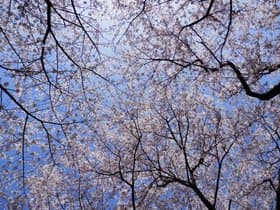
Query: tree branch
{"type": "Point", "coordinates": [274, 91]}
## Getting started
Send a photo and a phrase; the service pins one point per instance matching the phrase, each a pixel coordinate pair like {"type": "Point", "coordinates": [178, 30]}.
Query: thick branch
{"type": "Point", "coordinates": [274, 91]}
{"type": "Point", "coordinates": [200, 19]}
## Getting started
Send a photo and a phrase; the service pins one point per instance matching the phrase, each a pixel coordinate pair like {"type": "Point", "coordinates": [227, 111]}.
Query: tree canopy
{"type": "Point", "coordinates": [168, 104]}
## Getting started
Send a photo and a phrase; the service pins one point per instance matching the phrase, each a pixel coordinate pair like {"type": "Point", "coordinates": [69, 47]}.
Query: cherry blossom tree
{"type": "Point", "coordinates": [139, 104]}
{"type": "Point", "coordinates": [195, 153]}
{"type": "Point", "coordinates": [49, 60]}
{"type": "Point", "coordinates": [236, 40]}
